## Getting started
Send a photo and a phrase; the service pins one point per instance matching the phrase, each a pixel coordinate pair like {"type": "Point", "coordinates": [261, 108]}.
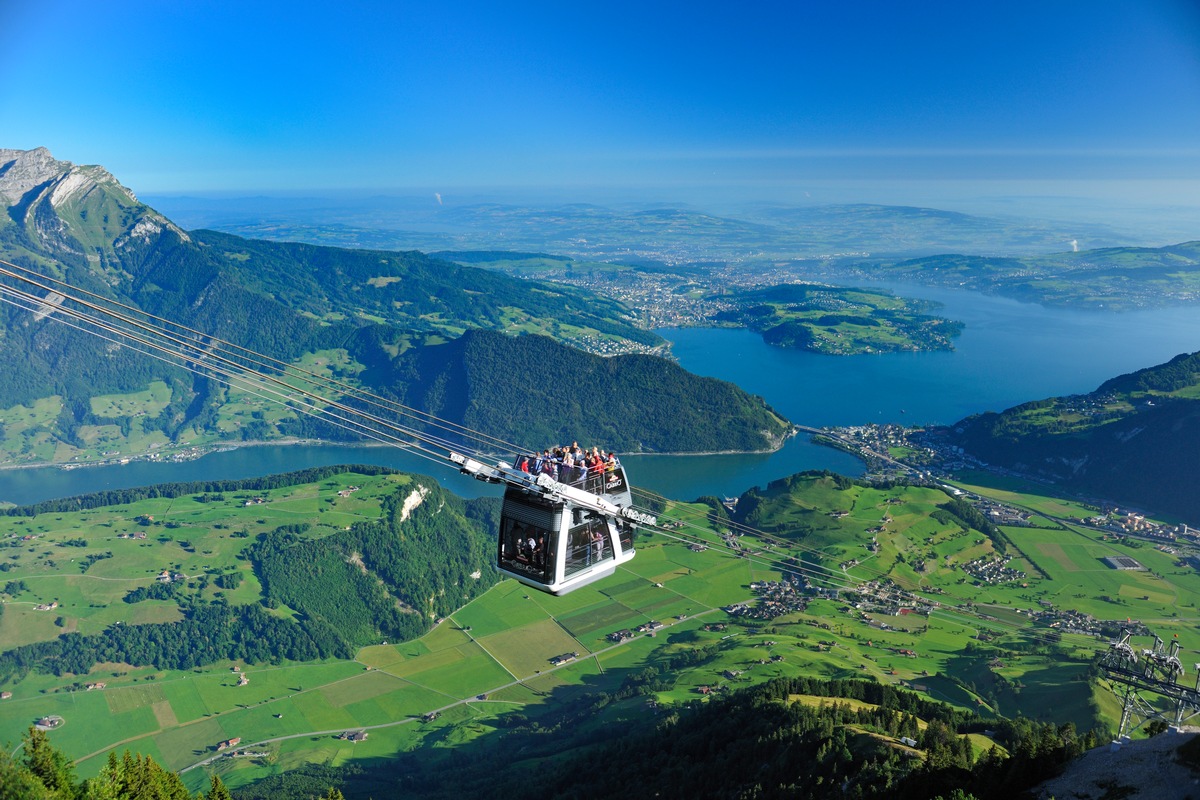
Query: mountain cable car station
{"type": "Point", "coordinates": [555, 535]}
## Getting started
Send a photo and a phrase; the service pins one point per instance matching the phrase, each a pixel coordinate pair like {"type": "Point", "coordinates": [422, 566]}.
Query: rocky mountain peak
{"type": "Point", "coordinates": [72, 209]}
{"type": "Point", "coordinates": [22, 170]}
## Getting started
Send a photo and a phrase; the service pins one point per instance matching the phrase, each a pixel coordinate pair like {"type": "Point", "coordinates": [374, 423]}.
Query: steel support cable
{"type": "Point", "coordinates": [200, 354]}
{"type": "Point", "coordinates": [267, 361]}
{"type": "Point", "coordinates": [225, 378]}
{"type": "Point", "coordinates": [263, 359]}
{"type": "Point", "coordinates": [190, 351]}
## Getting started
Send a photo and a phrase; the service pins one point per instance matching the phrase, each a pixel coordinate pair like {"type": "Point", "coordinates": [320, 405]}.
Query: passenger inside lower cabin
{"type": "Point", "coordinates": [527, 549]}
{"type": "Point", "coordinates": [588, 543]}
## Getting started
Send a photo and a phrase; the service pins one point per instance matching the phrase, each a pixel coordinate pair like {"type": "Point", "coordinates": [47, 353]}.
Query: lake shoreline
{"type": "Point", "coordinates": [225, 447]}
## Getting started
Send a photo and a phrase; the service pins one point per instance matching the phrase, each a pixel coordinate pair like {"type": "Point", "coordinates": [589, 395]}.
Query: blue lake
{"type": "Point", "coordinates": [1009, 353]}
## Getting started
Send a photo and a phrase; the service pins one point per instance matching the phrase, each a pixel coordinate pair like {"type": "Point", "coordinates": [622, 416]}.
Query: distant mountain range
{"type": "Point", "coordinates": [387, 314]}
{"type": "Point", "coordinates": [1134, 440]}
{"type": "Point", "coordinates": [672, 233]}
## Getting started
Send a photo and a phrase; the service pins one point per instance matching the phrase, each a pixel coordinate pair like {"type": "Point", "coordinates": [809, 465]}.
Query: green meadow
{"type": "Point", "coordinates": [489, 663]}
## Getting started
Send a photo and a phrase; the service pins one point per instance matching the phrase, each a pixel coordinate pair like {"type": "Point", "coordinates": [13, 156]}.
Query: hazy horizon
{"type": "Point", "coordinates": [663, 103]}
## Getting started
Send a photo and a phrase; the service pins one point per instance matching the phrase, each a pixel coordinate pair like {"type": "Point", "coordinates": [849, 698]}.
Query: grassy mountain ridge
{"type": "Point", "coordinates": [411, 290]}
{"type": "Point", "coordinates": [1136, 439]}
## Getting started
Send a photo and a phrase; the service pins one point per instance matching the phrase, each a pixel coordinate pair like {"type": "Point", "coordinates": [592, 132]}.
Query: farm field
{"type": "Point", "coordinates": [974, 643]}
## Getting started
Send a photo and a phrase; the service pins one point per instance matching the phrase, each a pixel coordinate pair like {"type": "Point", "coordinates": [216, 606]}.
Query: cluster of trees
{"type": "Point", "coordinates": [957, 511]}
{"type": "Point", "coordinates": [1180, 372]}
{"type": "Point", "coordinates": [383, 579]}
{"type": "Point", "coordinates": [756, 743]}
{"type": "Point", "coordinates": [209, 632]}
{"type": "Point", "coordinates": [159, 590]}
{"type": "Point", "coordinates": [754, 506]}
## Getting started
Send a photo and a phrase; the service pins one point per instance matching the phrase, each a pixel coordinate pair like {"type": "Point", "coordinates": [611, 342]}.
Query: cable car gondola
{"type": "Point", "coordinates": [558, 536]}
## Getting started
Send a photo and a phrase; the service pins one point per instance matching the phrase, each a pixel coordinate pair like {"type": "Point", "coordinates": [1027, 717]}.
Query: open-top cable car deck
{"type": "Point", "coordinates": [557, 536]}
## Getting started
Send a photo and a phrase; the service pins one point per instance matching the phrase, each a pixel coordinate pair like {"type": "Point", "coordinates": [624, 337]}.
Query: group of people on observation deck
{"type": "Point", "coordinates": [570, 465]}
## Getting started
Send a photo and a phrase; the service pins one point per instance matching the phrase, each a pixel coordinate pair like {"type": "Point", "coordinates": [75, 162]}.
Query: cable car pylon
{"type": "Point", "coordinates": [1148, 683]}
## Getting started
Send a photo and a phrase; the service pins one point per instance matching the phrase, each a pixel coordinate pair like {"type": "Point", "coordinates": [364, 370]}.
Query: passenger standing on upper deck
{"type": "Point", "coordinates": [596, 471]}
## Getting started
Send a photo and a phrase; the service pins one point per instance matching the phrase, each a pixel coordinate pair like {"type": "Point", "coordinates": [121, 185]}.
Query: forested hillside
{"type": "Point", "coordinates": [757, 742]}
{"type": "Point", "coordinates": [530, 390]}
{"type": "Point", "coordinates": [1135, 440]}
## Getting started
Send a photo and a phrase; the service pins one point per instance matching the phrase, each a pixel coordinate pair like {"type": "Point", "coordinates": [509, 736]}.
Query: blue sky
{"type": "Point", "coordinates": [264, 96]}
